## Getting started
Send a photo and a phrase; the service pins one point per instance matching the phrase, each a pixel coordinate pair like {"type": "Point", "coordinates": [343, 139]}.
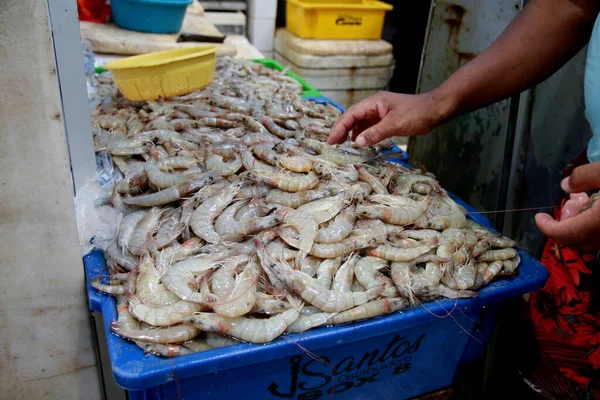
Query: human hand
{"type": "Point", "coordinates": [386, 114]}
{"type": "Point", "coordinates": [580, 229]}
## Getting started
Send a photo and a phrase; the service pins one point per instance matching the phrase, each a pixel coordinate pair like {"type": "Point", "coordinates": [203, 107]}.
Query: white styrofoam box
{"type": "Point", "coordinates": [341, 61]}
{"type": "Point", "coordinates": [261, 33]}
{"type": "Point", "coordinates": [366, 78]}
{"type": "Point", "coordinates": [262, 9]}
{"type": "Point", "coordinates": [346, 98]}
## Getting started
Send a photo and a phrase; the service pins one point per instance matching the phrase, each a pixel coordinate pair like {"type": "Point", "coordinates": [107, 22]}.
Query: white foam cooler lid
{"type": "Point", "coordinates": [311, 53]}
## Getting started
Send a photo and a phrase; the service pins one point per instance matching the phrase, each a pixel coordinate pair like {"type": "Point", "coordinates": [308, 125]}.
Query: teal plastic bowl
{"type": "Point", "coordinates": [151, 16]}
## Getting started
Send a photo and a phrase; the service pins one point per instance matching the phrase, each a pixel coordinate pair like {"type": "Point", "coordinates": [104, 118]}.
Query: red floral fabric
{"type": "Point", "coordinates": [566, 312]}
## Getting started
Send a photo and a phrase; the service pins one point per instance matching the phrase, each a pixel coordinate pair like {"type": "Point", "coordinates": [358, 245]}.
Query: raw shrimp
{"type": "Point", "coordinates": [241, 298]}
{"type": "Point", "coordinates": [486, 273]}
{"type": "Point", "coordinates": [367, 273]}
{"type": "Point", "coordinates": [246, 329]}
{"type": "Point", "coordinates": [342, 281]}
{"type": "Point", "coordinates": [123, 259]}
{"type": "Point", "coordinates": [173, 193]}
{"type": "Point", "coordinates": [338, 229]}
{"type": "Point", "coordinates": [266, 153]}
{"type": "Point", "coordinates": [333, 250]}
{"type": "Point", "coordinates": [172, 334]}
{"type": "Point", "coordinates": [376, 184]}
{"type": "Point", "coordinates": [252, 164]}
{"type": "Point", "coordinates": [306, 322]}
{"type": "Point", "coordinates": [290, 182]}
{"type": "Point", "coordinates": [460, 277]}
{"type": "Point", "coordinates": [392, 253]}
{"type": "Point", "coordinates": [179, 278]}
{"type": "Point", "coordinates": [215, 163]}
{"type": "Point", "coordinates": [163, 315]}
{"type": "Point", "coordinates": [253, 191]}
{"type": "Point", "coordinates": [204, 216]}
{"type": "Point", "coordinates": [404, 215]}
{"type": "Point", "coordinates": [310, 265]}
{"type": "Point", "coordinates": [126, 228]}
{"type": "Point", "coordinates": [144, 228]}
{"type": "Point", "coordinates": [510, 266]}
{"type": "Point", "coordinates": [313, 292]}
{"type": "Point", "coordinates": [323, 210]}
{"type": "Point", "coordinates": [498, 255]}
{"type": "Point", "coordinates": [326, 271]}
{"type": "Point", "coordinates": [217, 341]}
{"type": "Point", "coordinates": [295, 163]}
{"type": "Point", "coordinates": [266, 304]}
{"type": "Point", "coordinates": [278, 130]}
{"type": "Point", "coordinates": [295, 200]}
{"type": "Point", "coordinates": [110, 288]}
{"type": "Point", "coordinates": [231, 230]}
{"type": "Point", "coordinates": [372, 309]}
{"type": "Point", "coordinates": [149, 290]}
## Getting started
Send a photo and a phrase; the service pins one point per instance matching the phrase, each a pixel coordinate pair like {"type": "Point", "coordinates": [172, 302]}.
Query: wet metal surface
{"type": "Point", "coordinates": [467, 153]}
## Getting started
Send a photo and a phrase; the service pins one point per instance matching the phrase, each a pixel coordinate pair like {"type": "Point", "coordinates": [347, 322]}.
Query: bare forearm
{"type": "Point", "coordinates": [542, 38]}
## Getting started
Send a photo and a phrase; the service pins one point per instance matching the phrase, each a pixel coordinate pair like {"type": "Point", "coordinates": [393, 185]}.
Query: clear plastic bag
{"type": "Point", "coordinates": [98, 222]}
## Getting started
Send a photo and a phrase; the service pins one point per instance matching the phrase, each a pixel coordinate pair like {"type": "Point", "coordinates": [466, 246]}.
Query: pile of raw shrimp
{"type": "Point", "coordinates": [239, 223]}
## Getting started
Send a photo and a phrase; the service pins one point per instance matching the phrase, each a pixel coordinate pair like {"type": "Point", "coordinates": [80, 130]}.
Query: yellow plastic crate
{"type": "Point", "coordinates": [164, 73]}
{"type": "Point", "coordinates": [334, 20]}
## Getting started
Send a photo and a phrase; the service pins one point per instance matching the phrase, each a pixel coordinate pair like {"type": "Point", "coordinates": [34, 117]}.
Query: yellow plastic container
{"type": "Point", "coordinates": [164, 73]}
{"type": "Point", "coordinates": [334, 20]}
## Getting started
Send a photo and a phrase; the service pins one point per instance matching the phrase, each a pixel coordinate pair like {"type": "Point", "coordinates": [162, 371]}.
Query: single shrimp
{"type": "Point", "coordinates": [172, 334]}
{"type": "Point", "coordinates": [306, 322]}
{"type": "Point", "coordinates": [149, 290]}
{"type": "Point", "coordinates": [342, 281]}
{"type": "Point", "coordinates": [279, 251]}
{"type": "Point", "coordinates": [126, 228]}
{"type": "Point", "coordinates": [486, 273]}
{"type": "Point", "coordinates": [295, 163]}
{"type": "Point", "coordinates": [292, 182]}
{"type": "Point", "coordinates": [374, 308]}
{"type": "Point", "coordinates": [323, 210]}
{"type": "Point", "coordinates": [498, 255]}
{"type": "Point", "coordinates": [297, 199]}
{"type": "Point", "coordinates": [376, 184]}
{"type": "Point", "coordinates": [253, 191]}
{"type": "Point", "coordinates": [144, 229]}
{"type": "Point", "coordinates": [215, 163]}
{"type": "Point", "coordinates": [267, 304]}
{"type": "Point", "coordinates": [242, 297]}
{"type": "Point", "coordinates": [247, 329]}
{"type": "Point", "coordinates": [172, 163]}
{"type": "Point", "coordinates": [231, 230]}
{"type": "Point", "coordinates": [162, 315]}
{"type": "Point", "coordinates": [202, 221]}
{"type": "Point", "coordinates": [266, 153]}
{"type": "Point", "coordinates": [510, 266]}
{"type": "Point", "coordinates": [110, 288]}
{"type": "Point", "coordinates": [163, 180]}
{"type": "Point", "coordinates": [401, 215]}
{"type": "Point", "coordinates": [326, 271]}
{"type": "Point", "coordinates": [338, 229]}
{"type": "Point", "coordinates": [460, 277]}
{"type": "Point", "coordinates": [356, 241]}
{"type": "Point", "coordinates": [310, 265]}
{"type": "Point", "coordinates": [367, 273]}
{"type": "Point", "coordinates": [173, 193]}
{"type": "Point", "coordinates": [392, 253]}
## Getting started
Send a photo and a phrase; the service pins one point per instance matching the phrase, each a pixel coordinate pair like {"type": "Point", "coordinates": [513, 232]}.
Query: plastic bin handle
{"type": "Point", "coordinates": [94, 266]}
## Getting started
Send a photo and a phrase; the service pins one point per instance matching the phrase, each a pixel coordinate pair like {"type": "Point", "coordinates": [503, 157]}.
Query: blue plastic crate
{"type": "Point", "coordinates": [398, 356]}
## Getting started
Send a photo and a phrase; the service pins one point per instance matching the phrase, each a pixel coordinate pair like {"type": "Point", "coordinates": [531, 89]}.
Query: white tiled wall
{"type": "Point", "coordinates": [261, 23]}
